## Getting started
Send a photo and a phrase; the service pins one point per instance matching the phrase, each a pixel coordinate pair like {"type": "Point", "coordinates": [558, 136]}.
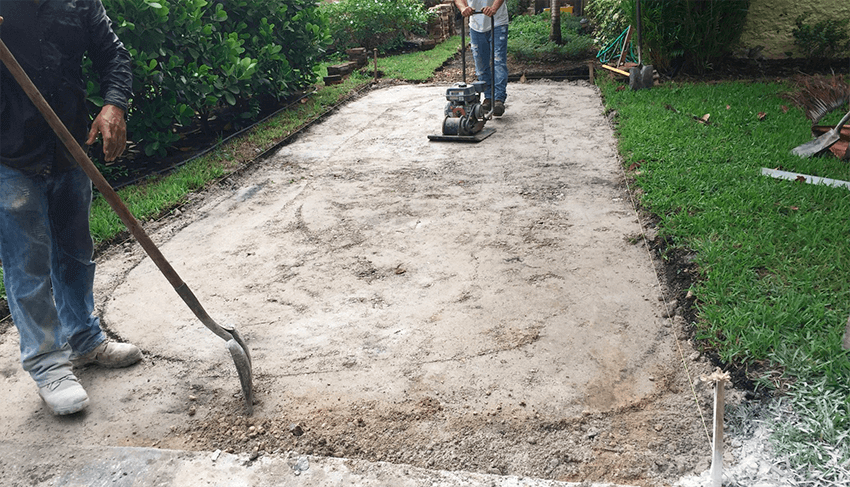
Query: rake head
{"type": "Point", "coordinates": [818, 95]}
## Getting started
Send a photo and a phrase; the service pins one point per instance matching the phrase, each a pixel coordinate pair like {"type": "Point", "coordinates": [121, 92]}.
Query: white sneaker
{"type": "Point", "coordinates": [110, 354]}
{"type": "Point", "coordinates": [64, 396]}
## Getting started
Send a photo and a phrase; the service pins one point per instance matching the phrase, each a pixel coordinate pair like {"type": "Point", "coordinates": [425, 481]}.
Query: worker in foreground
{"type": "Point", "coordinates": [45, 198]}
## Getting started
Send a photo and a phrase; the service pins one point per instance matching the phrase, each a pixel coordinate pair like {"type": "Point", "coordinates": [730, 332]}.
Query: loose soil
{"type": "Point", "coordinates": [490, 307]}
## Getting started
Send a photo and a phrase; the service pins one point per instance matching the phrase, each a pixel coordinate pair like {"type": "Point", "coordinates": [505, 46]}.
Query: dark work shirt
{"type": "Point", "coordinates": [49, 39]}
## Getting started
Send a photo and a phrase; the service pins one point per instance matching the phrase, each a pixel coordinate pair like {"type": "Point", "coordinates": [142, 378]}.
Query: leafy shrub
{"type": "Point", "coordinates": [191, 58]}
{"type": "Point", "coordinates": [826, 39]}
{"type": "Point", "coordinates": [374, 24]}
{"type": "Point", "coordinates": [702, 30]}
{"type": "Point", "coordinates": [286, 38]}
{"type": "Point", "coordinates": [608, 19]}
{"type": "Point", "coordinates": [528, 39]}
{"type": "Point", "coordinates": [518, 7]}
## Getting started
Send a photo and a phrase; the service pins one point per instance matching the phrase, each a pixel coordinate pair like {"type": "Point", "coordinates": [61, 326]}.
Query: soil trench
{"type": "Point", "coordinates": [486, 307]}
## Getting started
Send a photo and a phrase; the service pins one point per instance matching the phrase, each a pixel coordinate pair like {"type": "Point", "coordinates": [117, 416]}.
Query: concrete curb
{"type": "Point", "coordinates": [72, 466]}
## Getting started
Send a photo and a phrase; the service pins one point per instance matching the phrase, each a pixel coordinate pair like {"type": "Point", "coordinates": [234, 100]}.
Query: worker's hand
{"type": "Point", "coordinates": [467, 11]}
{"type": "Point", "coordinates": [489, 11]}
{"type": "Point", "coordinates": [111, 126]}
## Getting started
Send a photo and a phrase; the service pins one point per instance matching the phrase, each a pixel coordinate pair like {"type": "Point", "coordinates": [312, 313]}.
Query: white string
{"type": "Point", "coordinates": [666, 307]}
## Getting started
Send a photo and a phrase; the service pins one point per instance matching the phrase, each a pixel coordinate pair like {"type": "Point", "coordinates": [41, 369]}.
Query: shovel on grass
{"type": "Point", "coordinates": [235, 343]}
{"type": "Point", "coordinates": [821, 143]}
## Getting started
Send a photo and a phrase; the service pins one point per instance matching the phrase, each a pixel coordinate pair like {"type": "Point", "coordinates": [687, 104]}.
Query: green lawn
{"type": "Point", "coordinates": [773, 291]}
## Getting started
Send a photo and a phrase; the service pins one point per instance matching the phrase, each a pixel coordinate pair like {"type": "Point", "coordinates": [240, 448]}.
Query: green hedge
{"type": "Point", "coordinates": [701, 30]}
{"type": "Point", "coordinates": [608, 18]}
{"type": "Point", "coordinates": [191, 58]}
{"type": "Point", "coordinates": [518, 7]}
{"type": "Point", "coordinates": [374, 24]}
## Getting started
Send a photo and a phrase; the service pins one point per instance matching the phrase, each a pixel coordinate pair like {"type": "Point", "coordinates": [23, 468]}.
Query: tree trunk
{"type": "Point", "coordinates": [555, 11]}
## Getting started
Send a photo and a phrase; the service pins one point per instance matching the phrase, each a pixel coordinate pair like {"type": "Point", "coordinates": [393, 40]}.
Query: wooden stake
{"type": "Point", "coordinates": [375, 51]}
{"type": "Point", "coordinates": [720, 379]}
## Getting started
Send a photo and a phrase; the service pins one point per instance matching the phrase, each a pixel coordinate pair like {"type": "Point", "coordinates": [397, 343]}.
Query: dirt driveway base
{"type": "Point", "coordinates": [479, 307]}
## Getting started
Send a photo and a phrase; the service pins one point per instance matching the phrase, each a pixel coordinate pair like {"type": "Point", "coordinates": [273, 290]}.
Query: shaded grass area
{"type": "Point", "coordinates": [773, 256]}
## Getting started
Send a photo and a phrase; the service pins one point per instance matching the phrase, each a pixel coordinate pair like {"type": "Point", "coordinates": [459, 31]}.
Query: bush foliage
{"type": "Point", "coordinates": [518, 7]}
{"type": "Point", "coordinates": [823, 40]}
{"type": "Point", "coordinates": [191, 58]}
{"type": "Point", "coordinates": [374, 24]}
{"type": "Point", "coordinates": [701, 30]}
{"type": "Point", "coordinates": [528, 39]}
{"type": "Point", "coordinates": [608, 19]}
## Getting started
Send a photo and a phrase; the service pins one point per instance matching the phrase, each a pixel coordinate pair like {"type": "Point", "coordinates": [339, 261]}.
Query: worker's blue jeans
{"type": "Point", "coordinates": [480, 44]}
{"type": "Point", "coordinates": [46, 249]}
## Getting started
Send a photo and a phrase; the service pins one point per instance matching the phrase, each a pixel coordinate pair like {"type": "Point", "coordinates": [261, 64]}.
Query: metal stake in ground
{"type": "Point", "coordinates": [845, 343]}
{"type": "Point", "coordinates": [235, 343]}
{"type": "Point", "coordinates": [719, 379]}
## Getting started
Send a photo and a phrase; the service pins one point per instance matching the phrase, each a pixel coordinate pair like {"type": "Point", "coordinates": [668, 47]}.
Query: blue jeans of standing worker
{"type": "Point", "coordinates": [480, 44]}
{"type": "Point", "coordinates": [47, 250]}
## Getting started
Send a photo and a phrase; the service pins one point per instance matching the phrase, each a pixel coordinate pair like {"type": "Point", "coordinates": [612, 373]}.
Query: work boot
{"type": "Point", "coordinates": [486, 105]}
{"type": "Point", "coordinates": [64, 396]}
{"type": "Point", "coordinates": [110, 354]}
{"type": "Point", "coordinates": [499, 108]}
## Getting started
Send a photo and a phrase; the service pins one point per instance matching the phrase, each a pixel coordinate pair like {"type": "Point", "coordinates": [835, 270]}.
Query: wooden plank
{"type": "Point", "coordinates": [618, 71]}
{"type": "Point", "coordinates": [342, 69]}
{"type": "Point", "coordinates": [333, 79]}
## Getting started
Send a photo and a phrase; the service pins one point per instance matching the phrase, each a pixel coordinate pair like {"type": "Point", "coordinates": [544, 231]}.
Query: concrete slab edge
{"type": "Point", "coordinates": [73, 466]}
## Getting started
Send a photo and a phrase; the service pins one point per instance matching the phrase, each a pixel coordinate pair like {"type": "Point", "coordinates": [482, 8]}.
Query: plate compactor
{"type": "Point", "coordinates": [464, 114]}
